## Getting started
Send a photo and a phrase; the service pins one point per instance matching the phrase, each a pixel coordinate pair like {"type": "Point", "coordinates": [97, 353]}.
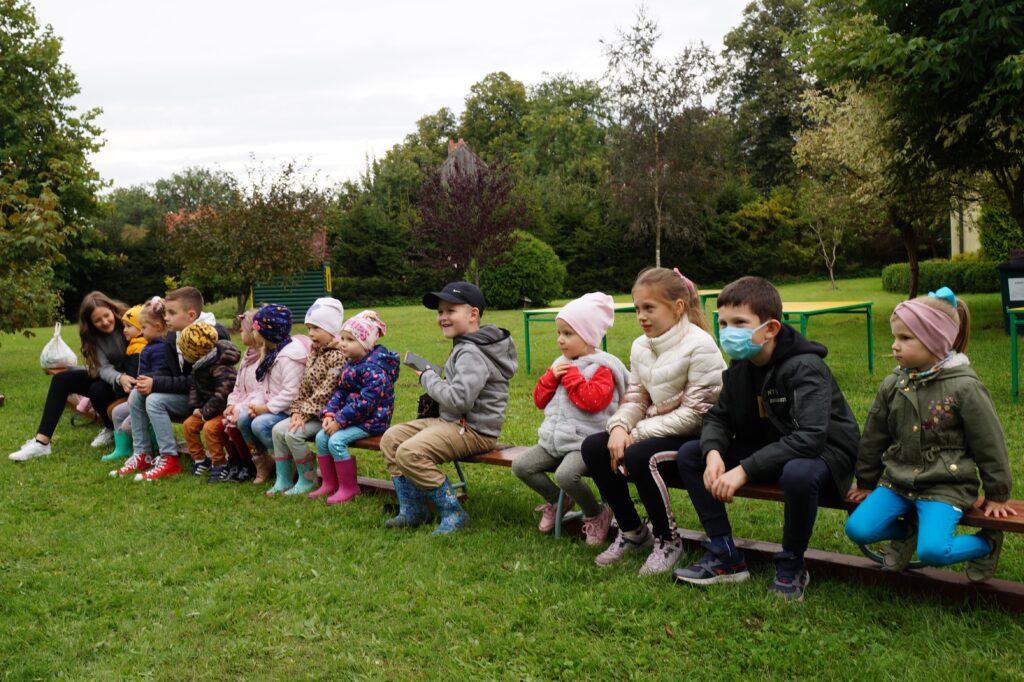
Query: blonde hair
{"type": "Point", "coordinates": [672, 286]}
{"type": "Point", "coordinates": [961, 316]}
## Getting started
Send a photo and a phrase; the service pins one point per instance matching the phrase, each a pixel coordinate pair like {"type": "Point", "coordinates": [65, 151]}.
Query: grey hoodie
{"type": "Point", "coordinates": [476, 388]}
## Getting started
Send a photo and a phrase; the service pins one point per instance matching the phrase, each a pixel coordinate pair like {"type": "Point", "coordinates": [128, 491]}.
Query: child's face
{"type": "Point", "coordinates": [150, 331]}
{"type": "Point", "coordinates": [908, 350]}
{"type": "Point", "coordinates": [654, 314]}
{"type": "Point", "coordinates": [130, 331]}
{"type": "Point", "coordinates": [570, 343]}
{"type": "Point", "coordinates": [457, 319]}
{"type": "Point", "coordinates": [320, 336]}
{"type": "Point", "coordinates": [177, 316]}
{"type": "Point", "coordinates": [352, 349]}
{"type": "Point", "coordinates": [103, 320]}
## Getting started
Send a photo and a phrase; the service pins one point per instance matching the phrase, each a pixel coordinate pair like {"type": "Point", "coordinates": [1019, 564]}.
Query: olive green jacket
{"type": "Point", "coordinates": [932, 438]}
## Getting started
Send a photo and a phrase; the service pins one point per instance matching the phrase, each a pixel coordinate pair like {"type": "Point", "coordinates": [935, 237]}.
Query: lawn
{"type": "Point", "coordinates": [177, 579]}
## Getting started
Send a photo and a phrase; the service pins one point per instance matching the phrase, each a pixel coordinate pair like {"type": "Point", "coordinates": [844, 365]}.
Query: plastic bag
{"type": "Point", "coordinates": [57, 354]}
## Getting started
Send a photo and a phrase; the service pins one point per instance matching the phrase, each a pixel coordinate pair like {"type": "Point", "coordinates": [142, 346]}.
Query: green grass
{"type": "Point", "coordinates": [110, 579]}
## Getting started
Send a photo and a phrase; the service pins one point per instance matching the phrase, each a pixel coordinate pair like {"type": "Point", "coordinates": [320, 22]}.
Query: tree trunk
{"type": "Point", "coordinates": [241, 300]}
{"type": "Point", "coordinates": [657, 203]}
{"type": "Point", "coordinates": [909, 236]}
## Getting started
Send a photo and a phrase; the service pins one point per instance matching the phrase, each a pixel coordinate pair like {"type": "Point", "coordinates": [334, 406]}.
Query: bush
{"type": "Point", "coordinates": [962, 276]}
{"type": "Point", "coordinates": [999, 233]}
{"type": "Point", "coordinates": [530, 269]}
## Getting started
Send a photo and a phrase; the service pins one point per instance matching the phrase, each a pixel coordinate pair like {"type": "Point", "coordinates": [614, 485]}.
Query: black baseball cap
{"type": "Point", "coordinates": [456, 292]}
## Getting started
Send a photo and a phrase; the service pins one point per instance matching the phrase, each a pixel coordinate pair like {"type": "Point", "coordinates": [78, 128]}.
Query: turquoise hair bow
{"type": "Point", "coordinates": [946, 294]}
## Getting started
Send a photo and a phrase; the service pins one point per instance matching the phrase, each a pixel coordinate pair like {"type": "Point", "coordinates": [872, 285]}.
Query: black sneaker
{"type": "Point", "coordinates": [220, 474]}
{"type": "Point", "coordinates": [790, 584]}
{"type": "Point", "coordinates": [202, 467]}
{"type": "Point", "coordinates": [240, 473]}
{"type": "Point", "coordinates": [712, 569]}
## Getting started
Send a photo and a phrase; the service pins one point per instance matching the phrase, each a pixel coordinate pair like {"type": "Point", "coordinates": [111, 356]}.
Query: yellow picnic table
{"type": "Point", "coordinates": [549, 315]}
{"type": "Point", "coordinates": [803, 311]}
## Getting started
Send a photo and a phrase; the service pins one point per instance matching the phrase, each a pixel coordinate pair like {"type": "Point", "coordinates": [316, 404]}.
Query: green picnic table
{"type": "Point", "coordinates": [1016, 320]}
{"type": "Point", "coordinates": [803, 311]}
{"type": "Point", "coordinates": [549, 315]}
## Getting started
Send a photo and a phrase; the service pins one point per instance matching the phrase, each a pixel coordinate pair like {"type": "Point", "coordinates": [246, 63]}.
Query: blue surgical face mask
{"type": "Point", "coordinates": [738, 342]}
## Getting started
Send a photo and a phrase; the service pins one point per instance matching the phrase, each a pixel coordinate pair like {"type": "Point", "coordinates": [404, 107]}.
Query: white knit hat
{"type": "Point", "coordinates": [326, 313]}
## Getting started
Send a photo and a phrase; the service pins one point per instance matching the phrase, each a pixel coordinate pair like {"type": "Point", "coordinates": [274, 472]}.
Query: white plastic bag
{"type": "Point", "coordinates": [57, 354]}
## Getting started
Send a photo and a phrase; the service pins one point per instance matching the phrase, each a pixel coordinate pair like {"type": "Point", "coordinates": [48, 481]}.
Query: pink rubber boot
{"type": "Point", "coordinates": [329, 476]}
{"type": "Point", "coordinates": [348, 485]}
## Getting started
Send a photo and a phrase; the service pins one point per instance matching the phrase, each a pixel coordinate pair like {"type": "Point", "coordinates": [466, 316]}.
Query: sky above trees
{"type": "Point", "coordinates": [205, 84]}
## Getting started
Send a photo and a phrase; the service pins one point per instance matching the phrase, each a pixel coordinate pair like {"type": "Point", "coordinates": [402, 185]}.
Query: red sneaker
{"type": "Point", "coordinates": [165, 465]}
{"type": "Point", "coordinates": [135, 463]}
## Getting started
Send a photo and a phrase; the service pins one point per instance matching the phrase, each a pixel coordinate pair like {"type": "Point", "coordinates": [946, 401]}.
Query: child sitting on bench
{"type": "Point", "coordinates": [930, 434]}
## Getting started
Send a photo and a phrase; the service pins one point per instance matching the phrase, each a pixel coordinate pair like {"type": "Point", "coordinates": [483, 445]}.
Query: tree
{"type": "Point", "coordinates": [468, 214]}
{"type": "Point", "coordinates": [665, 145]}
{"type": "Point", "coordinates": [493, 119]}
{"type": "Point", "coordinates": [763, 78]}
{"type": "Point", "coordinates": [195, 188]}
{"type": "Point", "coordinates": [49, 185]}
{"type": "Point", "coordinates": [952, 74]}
{"type": "Point", "coordinates": [274, 227]}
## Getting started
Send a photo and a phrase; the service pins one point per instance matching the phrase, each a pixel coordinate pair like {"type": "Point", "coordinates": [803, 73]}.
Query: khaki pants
{"type": "Point", "coordinates": [214, 434]}
{"type": "Point", "coordinates": [415, 449]}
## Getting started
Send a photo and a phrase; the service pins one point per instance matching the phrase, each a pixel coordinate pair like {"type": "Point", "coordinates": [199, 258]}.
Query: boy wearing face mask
{"type": "Point", "coordinates": [780, 418]}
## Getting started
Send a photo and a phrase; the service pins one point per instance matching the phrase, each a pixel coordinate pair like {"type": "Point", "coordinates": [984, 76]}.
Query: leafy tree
{"type": "Point", "coordinates": [195, 188]}
{"type": "Point", "coordinates": [952, 73]}
{"type": "Point", "coordinates": [44, 146]}
{"type": "Point", "coordinates": [763, 78]}
{"type": "Point", "coordinates": [493, 119]}
{"type": "Point", "coordinates": [468, 213]}
{"type": "Point", "coordinates": [666, 146]}
{"type": "Point", "coordinates": [273, 227]}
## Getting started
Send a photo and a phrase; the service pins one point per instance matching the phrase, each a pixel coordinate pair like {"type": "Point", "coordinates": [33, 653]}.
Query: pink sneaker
{"type": "Point", "coordinates": [595, 528]}
{"type": "Point", "coordinates": [84, 406]}
{"type": "Point", "coordinates": [663, 557]}
{"type": "Point", "coordinates": [547, 517]}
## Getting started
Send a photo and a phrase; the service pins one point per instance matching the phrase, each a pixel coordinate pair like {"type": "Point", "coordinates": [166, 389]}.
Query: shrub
{"type": "Point", "coordinates": [530, 269]}
{"type": "Point", "coordinates": [999, 233]}
{"type": "Point", "coordinates": [962, 276]}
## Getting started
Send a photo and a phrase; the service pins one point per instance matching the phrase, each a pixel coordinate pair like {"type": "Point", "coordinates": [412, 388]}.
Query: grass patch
{"type": "Point", "coordinates": [111, 579]}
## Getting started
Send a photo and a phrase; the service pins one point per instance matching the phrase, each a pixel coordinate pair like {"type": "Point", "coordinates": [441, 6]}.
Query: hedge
{"type": "Point", "coordinates": [962, 276]}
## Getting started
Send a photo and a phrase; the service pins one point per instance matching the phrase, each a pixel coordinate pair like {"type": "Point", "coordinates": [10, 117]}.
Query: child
{"type": "Point", "coordinates": [121, 413]}
{"type": "Point", "coordinates": [290, 437]}
{"type": "Point", "coordinates": [675, 373]}
{"type": "Point", "coordinates": [102, 381]}
{"type": "Point", "coordinates": [471, 399]}
{"type": "Point", "coordinates": [213, 378]}
{"type": "Point", "coordinates": [780, 418]}
{"type": "Point", "coordinates": [279, 373]}
{"type": "Point", "coordinates": [247, 392]}
{"type": "Point", "coordinates": [160, 396]}
{"type": "Point", "coordinates": [930, 435]}
{"type": "Point", "coordinates": [578, 394]}
{"type": "Point", "coordinates": [360, 406]}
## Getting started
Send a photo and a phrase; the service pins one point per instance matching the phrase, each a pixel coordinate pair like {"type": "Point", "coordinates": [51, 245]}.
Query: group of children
{"type": "Point", "coordinates": [678, 414]}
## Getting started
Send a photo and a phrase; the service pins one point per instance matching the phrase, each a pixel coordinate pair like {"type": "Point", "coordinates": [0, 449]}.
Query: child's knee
{"type": "Point", "coordinates": [799, 477]}
{"type": "Point", "coordinates": [566, 477]}
{"type": "Point", "coordinates": [322, 441]}
{"type": "Point", "coordinates": [933, 551]}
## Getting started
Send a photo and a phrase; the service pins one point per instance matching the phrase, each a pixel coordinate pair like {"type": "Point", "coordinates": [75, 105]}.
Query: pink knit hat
{"type": "Point", "coordinates": [590, 316]}
{"type": "Point", "coordinates": [366, 327]}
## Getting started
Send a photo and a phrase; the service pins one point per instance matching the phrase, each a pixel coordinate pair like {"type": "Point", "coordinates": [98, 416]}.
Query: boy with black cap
{"type": "Point", "coordinates": [471, 399]}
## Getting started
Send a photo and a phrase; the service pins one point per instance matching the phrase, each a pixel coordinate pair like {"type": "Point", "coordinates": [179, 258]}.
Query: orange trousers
{"type": "Point", "coordinates": [214, 436]}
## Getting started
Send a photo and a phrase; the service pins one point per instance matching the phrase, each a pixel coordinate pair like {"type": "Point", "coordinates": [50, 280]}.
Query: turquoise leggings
{"type": "Point", "coordinates": [878, 518]}
{"type": "Point", "coordinates": [337, 444]}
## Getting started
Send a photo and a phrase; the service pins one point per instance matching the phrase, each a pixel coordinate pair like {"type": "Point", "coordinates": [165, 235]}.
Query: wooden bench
{"type": "Point", "coordinates": [866, 569]}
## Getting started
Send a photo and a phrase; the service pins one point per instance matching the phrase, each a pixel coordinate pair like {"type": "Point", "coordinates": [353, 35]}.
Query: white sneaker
{"type": "Point", "coordinates": [663, 557]}
{"type": "Point", "coordinates": [103, 438]}
{"type": "Point", "coordinates": [32, 448]}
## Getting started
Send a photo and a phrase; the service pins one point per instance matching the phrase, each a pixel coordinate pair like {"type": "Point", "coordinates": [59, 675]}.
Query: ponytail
{"type": "Point", "coordinates": [964, 335]}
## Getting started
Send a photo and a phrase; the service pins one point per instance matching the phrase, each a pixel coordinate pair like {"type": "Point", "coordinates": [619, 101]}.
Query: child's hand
{"type": "Point", "coordinates": [197, 413]}
{"type": "Point", "coordinates": [998, 509]}
{"type": "Point", "coordinates": [331, 426]}
{"type": "Point", "coordinates": [618, 441]}
{"type": "Point", "coordinates": [856, 494]}
{"type": "Point", "coordinates": [296, 422]}
{"type": "Point", "coordinates": [257, 410]}
{"type": "Point", "coordinates": [728, 483]}
{"type": "Point", "coordinates": [713, 469]}
{"type": "Point", "coordinates": [560, 369]}
{"type": "Point", "coordinates": [144, 385]}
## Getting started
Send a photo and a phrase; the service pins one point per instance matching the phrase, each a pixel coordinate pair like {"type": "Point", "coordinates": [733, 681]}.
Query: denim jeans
{"type": "Point", "coordinates": [337, 444]}
{"type": "Point", "coordinates": [156, 410]}
{"type": "Point", "coordinates": [259, 430]}
{"type": "Point", "coordinates": [878, 518]}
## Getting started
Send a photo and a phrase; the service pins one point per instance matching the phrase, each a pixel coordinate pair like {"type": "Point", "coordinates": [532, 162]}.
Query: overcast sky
{"type": "Point", "coordinates": [208, 82]}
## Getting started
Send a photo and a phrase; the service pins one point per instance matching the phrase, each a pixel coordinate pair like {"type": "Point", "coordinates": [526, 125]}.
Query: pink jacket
{"type": "Point", "coordinates": [281, 384]}
{"type": "Point", "coordinates": [247, 390]}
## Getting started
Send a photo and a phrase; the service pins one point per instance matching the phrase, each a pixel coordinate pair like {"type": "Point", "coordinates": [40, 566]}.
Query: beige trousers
{"type": "Point", "coordinates": [415, 449]}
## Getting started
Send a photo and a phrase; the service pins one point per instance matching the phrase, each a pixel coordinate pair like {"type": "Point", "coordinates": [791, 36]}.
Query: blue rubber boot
{"type": "Point", "coordinates": [453, 516]}
{"type": "Point", "coordinates": [411, 510]}
{"type": "Point", "coordinates": [285, 475]}
{"type": "Point", "coordinates": [122, 447]}
{"type": "Point", "coordinates": [306, 480]}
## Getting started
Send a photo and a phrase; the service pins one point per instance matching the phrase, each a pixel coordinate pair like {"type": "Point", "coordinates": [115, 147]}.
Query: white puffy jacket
{"type": "Point", "coordinates": [674, 379]}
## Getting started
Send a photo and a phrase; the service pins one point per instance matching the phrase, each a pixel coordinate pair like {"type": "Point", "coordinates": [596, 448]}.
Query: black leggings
{"type": "Point", "coordinates": [651, 465]}
{"type": "Point", "coordinates": [76, 381]}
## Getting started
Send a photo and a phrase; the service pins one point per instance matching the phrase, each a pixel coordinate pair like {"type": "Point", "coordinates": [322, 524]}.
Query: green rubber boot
{"type": "Point", "coordinates": [306, 480]}
{"type": "Point", "coordinates": [122, 447]}
{"type": "Point", "coordinates": [285, 475]}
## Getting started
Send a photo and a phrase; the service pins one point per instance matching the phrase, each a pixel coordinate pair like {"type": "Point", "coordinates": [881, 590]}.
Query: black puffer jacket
{"type": "Point", "coordinates": [213, 380]}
